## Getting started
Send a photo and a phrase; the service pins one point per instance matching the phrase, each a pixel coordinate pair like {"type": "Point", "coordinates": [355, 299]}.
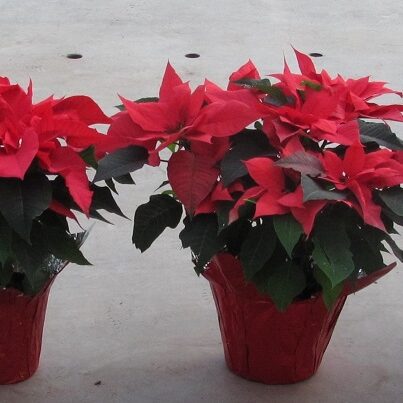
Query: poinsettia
{"type": "Point", "coordinates": [45, 151]}
{"type": "Point", "coordinates": [312, 183]}
{"type": "Point", "coordinates": [317, 106]}
{"type": "Point", "coordinates": [179, 114]}
{"type": "Point", "coordinates": [362, 173]}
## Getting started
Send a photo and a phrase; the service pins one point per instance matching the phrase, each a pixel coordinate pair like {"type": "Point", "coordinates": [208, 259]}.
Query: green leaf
{"type": "Point", "coordinates": [165, 183]}
{"type": "Point", "coordinates": [329, 293]}
{"type": "Point", "coordinates": [258, 126]}
{"type": "Point", "coordinates": [63, 245]}
{"type": "Point", "coordinates": [50, 217]}
{"type": "Point", "coordinates": [6, 236]}
{"type": "Point", "coordinates": [97, 216]}
{"type": "Point", "coordinates": [393, 245]}
{"type": "Point", "coordinates": [22, 201]}
{"type": "Point", "coordinates": [284, 283]}
{"type": "Point", "coordinates": [263, 85]}
{"type": "Point", "coordinates": [152, 218]}
{"type": "Point", "coordinates": [200, 234]}
{"type": "Point", "coordinates": [88, 155]}
{"type": "Point", "coordinates": [172, 147]}
{"type": "Point", "coordinates": [35, 280]}
{"type": "Point", "coordinates": [121, 162]}
{"type": "Point", "coordinates": [222, 210]}
{"type": "Point", "coordinates": [313, 191]}
{"type": "Point", "coordinates": [102, 199]}
{"type": "Point", "coordinates": [249, 144]}
{"type": "Point", "coordinates": [234, 234]}
{"type": "Point", "coordinates": [277, 97]}
{"type": "Point", "coordinates": [366, 256]}
{"type": "Point", "coordinates": [288, 230]}
{"type": "Point", "coordinates": [379, 133]}
{"type": "Point", "coordinates": [332, 250]}
{"type": "Point", "coordinates": [121, 107]}
{"type": "Point", "coordinates": [146, 99]}
{"type": "Point", "coordinates": [366, 246]}
{"type": "Point", "coordinates": [125, 179]}
{"type": "Point", "coordinates": [30, 259]}
{"type": "Point", "coordinates": [257, 248]}
{"type": "Point", "coordinates": [111, 185]}
{"type": "Point", "coordinates": [302, 162]}
{"type": "Point", "coordinates": [312, 85]}
{"type": "Point", "coordinates": [6, 274]}
{"type": "Point", "coordinates": [393, 198]}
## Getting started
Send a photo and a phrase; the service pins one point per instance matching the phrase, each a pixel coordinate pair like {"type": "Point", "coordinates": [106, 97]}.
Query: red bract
{"type": "Point", "coordinates": [271, 181]}
{"type": "Point", "coordinates": [52, 133]}
{"type": "Point", "coordinates": [320, 106]}
{"type": "Point", "coordinates": [362, 173]}
{"type": "Point", "coordinates": [248, 70]}
{"type": "Point", "coordinates": [192, 177]}
{"type": "Point", "coordinates": [180, 115]}
{"type": "Point", "coordinates": [304, 212]}
{"type": "Point", "coordinates": [272, 198]}
{"type": "Point", "coordinates": [302, 113]}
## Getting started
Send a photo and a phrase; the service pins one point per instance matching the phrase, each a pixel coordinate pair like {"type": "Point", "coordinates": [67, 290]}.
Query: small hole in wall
{"type": "Point", "coordinates": [315, 54]}
{"type": "Point", "coordinates": [74, 56]}
{"type": "Point", "coordinates": [192, 55]}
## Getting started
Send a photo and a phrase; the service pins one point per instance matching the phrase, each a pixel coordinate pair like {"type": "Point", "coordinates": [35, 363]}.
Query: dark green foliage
{"type": "Point", "coordinates": [275, 94]}
{"type": "Point", "coordinates": [332, 252]}
{"type": "Point", "coordinates": [284, 283]}
{"type": "Point", "coordinates": [151, 219]}
{"type": "Point", "coordinates": [121, 162]}
{"type": "Point", "coordinates": [6, 237]}
{"type": "Point", "coordinates": [22, 201]}
{"type": "Point", "coordinates": [88, 155]}
{"type": "Point", "coordinates": [35, 241]}
{"type": "Point", "coordinates": [62, 245]}
{"type": "Point", "coordinates": [102, 199]}
{"type": "Point", "coordinates": [329, 293]}
{"type": "Point", "coordinates": [313, 191]}
{"type": "Point", "coordinates": [201, 235]}
{"type": "Point", "coordinates": [393, 198]}
{"type": "Point", "coordinates": [288, 231]}
{"type": "Point", "coordinates": [380, 134]}
{"type": "Point", "coordinates": [125, 179]}
{"type": "Point", "coordinates": [246, 145]}
{"type": "Point", "coordinates": [257, 248]}
{"type": "Point", "coordinates": [147, 99]}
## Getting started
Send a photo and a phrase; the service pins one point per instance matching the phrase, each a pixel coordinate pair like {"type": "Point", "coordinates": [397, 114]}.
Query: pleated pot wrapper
{"type": "Point", "coordinates": [263, 344]}
{"type": "Point", "coordinates": [21, 326]}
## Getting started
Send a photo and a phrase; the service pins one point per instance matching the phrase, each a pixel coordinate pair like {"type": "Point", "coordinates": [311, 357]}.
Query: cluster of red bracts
{"type": "Point", "coordinates": [198, 125]}
{"type": "Point", "coordinates": [313, 106]}
{"type": "Point", "coordinates": [51, 134]}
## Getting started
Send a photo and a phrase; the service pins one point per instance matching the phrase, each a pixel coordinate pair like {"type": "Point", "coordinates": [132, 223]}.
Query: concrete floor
{"type": "Point", "coordinates": [145, 326]}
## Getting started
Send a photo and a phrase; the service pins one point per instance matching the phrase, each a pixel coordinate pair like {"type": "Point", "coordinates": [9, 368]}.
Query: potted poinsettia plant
{"type": "Point", "coordinates": [290, 192]}
{"type": "Point", "coordinates": [45, 150]}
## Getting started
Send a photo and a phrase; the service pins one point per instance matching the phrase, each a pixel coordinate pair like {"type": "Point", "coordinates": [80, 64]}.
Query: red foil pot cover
{"type": "Point", "coordinates": [263, 344]}
{"type": "Point", "coordinates": [21, 326]}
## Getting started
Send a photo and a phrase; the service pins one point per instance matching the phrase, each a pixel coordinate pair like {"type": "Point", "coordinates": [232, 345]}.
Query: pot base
{"type": "Point", "coordinates": [260, 343]}
{"type": "Point", "coordinates": [22, 318]}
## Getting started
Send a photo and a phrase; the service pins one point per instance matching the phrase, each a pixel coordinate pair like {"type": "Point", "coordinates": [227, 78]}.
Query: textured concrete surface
{"type": "Point", "coordinates": [145, 325]}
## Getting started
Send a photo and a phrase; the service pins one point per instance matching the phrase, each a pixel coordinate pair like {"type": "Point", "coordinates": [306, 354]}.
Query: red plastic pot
{"type": "Point", "coordinates": [21, 325]}
{"type": "Point", "coordinates": [263, 344]}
